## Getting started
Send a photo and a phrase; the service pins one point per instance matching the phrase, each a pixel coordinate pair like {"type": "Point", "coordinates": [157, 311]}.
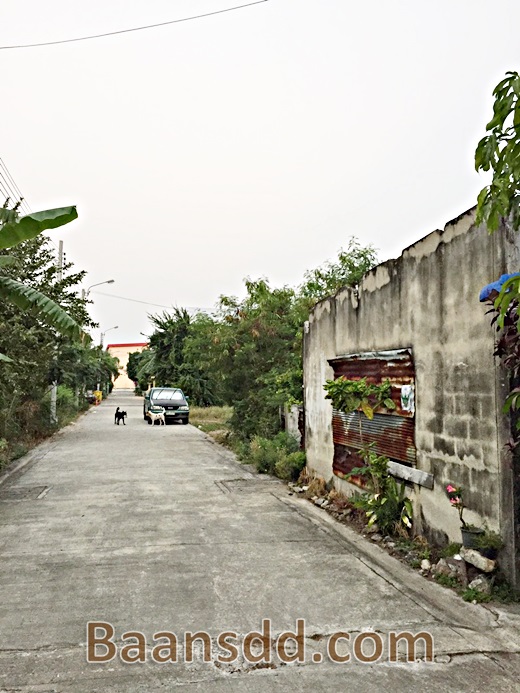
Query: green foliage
{"type": "Point", "coordinates": [347, 270]}
{"type": "Point", "coordinates": [447, 580]}
{"type": "Point", "coordinates": [247, 355]}
{"type": "Point", "coordinates": [471, 594]}
{"type": "Point", "coordinates": [385, 502]}
{"type": "Point", "coordinates": [166, 343]}
{"type": "Point", "coordinates": [82, 367]}
{"type": "Point", "coordinates": [504, 309]}
{"type": "Point", "coordinates": [489, 540]}
{"type": "Point", "coordinates": [290, 467]}
{"type": "Point", "coordinates": [354, 395]}
{"type": "Point", "coordinates": [37, 352]}
{"type": "Point", "coordinates": [278, 455]}
{"type": "Point", "coordinates": [177, 357]}
{"type": "Point", "coordinates": [13, 232]}
{"type": "Point", "coordinates": [503, 592]}
{"type": "Point", "coordinates": [450, 550]}
{"type": "Point", "coordinates": [499, 151]}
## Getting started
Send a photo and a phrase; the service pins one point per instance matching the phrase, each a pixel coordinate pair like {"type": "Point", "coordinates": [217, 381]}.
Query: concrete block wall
{"type": "Point", "coordinates": [428, 299]}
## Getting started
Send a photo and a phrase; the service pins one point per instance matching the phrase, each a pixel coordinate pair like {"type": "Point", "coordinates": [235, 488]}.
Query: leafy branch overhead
{"type": "Point", "coordinates": [499, 151]}
{"type": "Point", "coordinates": [15, 230]}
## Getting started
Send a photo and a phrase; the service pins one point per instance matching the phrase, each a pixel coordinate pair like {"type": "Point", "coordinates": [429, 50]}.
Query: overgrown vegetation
{"type": "Point", "coordinates": [211, 419]}
{"type": "Point", "coordinates": [385, 501]}
{"type": "Point", "coordinates": [248, 353]}
{"type": "Point", "coordinates": [42, 334]}
{"type": "Point", "coordinates": [279, 456]}
{"type": "Point", "coordinates": [499, 152]}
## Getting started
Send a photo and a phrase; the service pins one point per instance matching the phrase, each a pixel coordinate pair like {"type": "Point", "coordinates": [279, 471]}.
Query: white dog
{"type": "Point", "coordinates": [156, 414]}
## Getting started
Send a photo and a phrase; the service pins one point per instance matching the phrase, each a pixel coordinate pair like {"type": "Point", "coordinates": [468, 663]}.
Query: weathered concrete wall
{"type": "Point", "coordinates": [428, 299]}
{"type": "Point", "coordinates": [292, 421]}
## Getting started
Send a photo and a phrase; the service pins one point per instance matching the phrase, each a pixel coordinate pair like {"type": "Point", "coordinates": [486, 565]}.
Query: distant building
{"type": "Point", "coordinates": [122, 352]}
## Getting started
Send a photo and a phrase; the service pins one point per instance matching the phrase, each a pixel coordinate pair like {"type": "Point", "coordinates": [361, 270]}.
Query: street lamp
{"type": "Point", "coordinates": [85, 292]}
{"type": "Point", "coordinates": [104, 333]}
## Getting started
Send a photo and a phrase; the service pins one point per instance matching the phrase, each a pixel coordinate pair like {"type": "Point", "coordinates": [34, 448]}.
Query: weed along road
{"type": "Point", "coordinates": [176, 555]}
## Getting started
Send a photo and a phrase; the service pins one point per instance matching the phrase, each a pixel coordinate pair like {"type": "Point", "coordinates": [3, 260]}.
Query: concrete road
{"type": "Point", "coordinates": [158, 529]}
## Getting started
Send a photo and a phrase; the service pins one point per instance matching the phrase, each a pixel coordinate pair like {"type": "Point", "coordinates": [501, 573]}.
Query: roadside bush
{"type": "Point", "coordinates": [4, 451]}
{"type": "Point", "coordinates": [385, 502]}
{"type": "Point", "coordinates": [278, 455]}
{"type": "Point", "coordinates": [290, 466]}
{"type": "Point", "coordinates": [264, 454]}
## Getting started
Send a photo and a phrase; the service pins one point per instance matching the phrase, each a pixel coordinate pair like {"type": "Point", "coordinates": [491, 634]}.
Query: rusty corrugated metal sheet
{"type": "Point", "coordinates": [391, 431]}
{"type": "Point", "coordinates": [393, 436]}
{"type": "Point", "coordinates": [377, 366]}
{"type": "Point", "coordinates": [345, 460]}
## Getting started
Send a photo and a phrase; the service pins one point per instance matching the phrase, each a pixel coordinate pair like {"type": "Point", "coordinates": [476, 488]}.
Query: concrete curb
{"type": "Point", "coordinates": [442, 604]}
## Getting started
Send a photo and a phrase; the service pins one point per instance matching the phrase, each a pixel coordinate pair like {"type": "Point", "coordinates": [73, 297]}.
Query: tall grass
{"type": "Point", "coordinates": [213, 415]}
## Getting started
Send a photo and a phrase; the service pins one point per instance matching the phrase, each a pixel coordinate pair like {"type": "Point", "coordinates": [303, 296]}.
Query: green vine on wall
{"type": "Point", "coordinates": [355, 395]}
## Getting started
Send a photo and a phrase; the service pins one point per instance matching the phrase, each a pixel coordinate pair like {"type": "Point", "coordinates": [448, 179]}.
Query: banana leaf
{"type": "Point", "coordinates": [40, 305]}
{"type": "Point", "coordinates": [25, 228]}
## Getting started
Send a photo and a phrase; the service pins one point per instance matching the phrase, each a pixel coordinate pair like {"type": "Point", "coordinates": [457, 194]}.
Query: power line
{"type": "Point", "coordinates": [146, 303]}
{"type": "Point", "coordinates": [8, 174]}
{"type": "Point", "coordinates": [13, 196]}
{"type": "Point", "coordinates": [126, 31]}
{"type": "Point", "coordinates": [10, 189]}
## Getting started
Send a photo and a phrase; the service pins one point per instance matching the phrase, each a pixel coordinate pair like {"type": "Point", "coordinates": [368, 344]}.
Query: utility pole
{"type": "Point", "coordinates": [54, 386]}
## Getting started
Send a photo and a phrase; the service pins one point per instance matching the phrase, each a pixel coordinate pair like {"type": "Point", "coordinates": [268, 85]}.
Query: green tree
{"type": "Point", "coordinates": [347, 270]}
{"type": "Point", "coordinates": [499, 151]}
{"type": "Point", "coordinates": [33, 333]}
{"type": "Point", "coordinates": [133, 365]}
{"type": "Point", "coordinates": [249, 353]}
{"type": "Point", "coordinates": [81, 367]}
{"type": "Point", "coordinates": [14, 231]}
{"type": "Point", "coordinates": [167, 344]}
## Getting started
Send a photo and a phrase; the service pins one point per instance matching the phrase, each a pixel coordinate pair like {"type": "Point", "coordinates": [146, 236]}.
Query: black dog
{"type": "Point", "coordinates": [120, 416]}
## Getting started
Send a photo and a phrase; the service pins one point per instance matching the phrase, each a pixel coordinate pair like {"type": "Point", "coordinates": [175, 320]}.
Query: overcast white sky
{"type": "Point", "coordinates": [251, 143]}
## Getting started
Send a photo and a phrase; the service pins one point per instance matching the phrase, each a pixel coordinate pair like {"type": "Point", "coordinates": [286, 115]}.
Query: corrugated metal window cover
{"type": "Point", "coordinates": [391, 431]}
{"type": "Point", "coordinates": [393, 435]}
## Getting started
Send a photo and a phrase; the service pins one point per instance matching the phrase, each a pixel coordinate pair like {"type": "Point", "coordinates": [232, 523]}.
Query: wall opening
{"type": "Point", "coordinates": [392, 431]}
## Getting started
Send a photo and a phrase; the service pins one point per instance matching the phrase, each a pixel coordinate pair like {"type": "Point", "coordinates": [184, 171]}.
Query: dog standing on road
{"type": "Point", "coordinates": [156, 415]}
{"type": "Point", "coordinates": [120, 416]}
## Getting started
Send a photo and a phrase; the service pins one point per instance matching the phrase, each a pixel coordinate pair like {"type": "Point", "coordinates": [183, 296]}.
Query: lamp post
{"type": "Point", "coordinates": [104, 333]}
{"type": "Point", "coordinates": [101, 339]}
{"type": "Point", "coordinates": [85, 292]}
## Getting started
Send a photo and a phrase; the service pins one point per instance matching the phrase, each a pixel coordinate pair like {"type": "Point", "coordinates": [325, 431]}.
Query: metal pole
{"type": "Point", "coordinates": [54, 386]}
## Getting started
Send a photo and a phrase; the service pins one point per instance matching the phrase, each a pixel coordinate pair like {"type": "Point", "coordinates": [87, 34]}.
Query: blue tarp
{"type": "Point", "coordinates": [486, 291]}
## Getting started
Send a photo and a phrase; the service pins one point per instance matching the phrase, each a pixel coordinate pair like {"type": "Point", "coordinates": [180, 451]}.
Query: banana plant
{"type": "Point", "coordinates": [15, 230]}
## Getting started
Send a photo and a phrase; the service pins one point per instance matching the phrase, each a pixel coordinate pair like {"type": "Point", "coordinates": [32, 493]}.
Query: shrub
{"type": "Point", "coordinates": [65, 398]}
{"type": "Point", "coordinates": [267, 453]}
{"type": "Point", "coordinates": [290, 466]}
{"type": "Point", "coordinates": [385, 502]}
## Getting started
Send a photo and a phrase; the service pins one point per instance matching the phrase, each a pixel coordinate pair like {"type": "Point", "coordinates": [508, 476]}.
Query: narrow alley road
{"type": "Point", "coordinates": [159, 529]}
